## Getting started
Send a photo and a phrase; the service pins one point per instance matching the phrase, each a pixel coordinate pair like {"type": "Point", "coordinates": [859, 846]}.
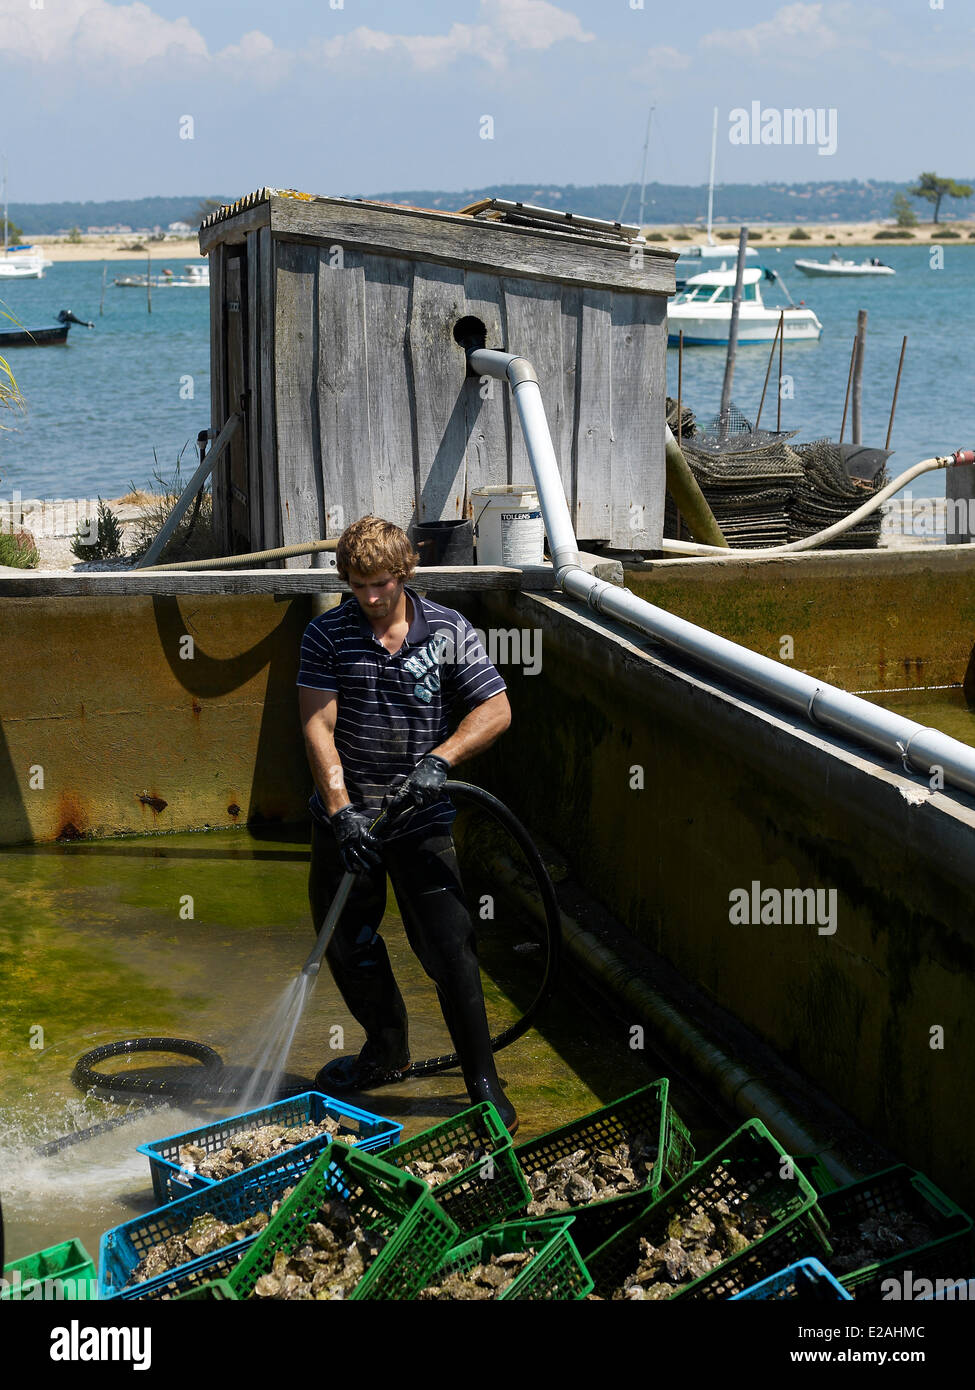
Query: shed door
{"type": "Point", "coordinates": [238, 398]}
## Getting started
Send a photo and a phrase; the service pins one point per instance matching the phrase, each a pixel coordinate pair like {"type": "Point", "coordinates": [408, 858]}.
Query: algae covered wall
{"type": "Point", "coordinates": [132, 714]}
{"type": "Point", "coordinates": [689, 811]}
{"type": "Point", "coordinates": [863, 620]}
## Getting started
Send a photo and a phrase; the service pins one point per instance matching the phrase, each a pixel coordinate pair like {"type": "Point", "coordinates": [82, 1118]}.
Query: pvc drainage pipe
{"type": "Point", "coordinates": [920, 749]}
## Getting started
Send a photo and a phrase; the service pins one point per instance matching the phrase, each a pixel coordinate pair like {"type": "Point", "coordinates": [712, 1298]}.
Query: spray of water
{"type": "Point", "coordinates": [262, 1088]}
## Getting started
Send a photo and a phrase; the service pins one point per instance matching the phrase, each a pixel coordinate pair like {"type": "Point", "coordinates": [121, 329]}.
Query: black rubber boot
{"type": "Point", "coordinates": [350, 1074]}
{"type": "Point", "coordinates": [441, 932]}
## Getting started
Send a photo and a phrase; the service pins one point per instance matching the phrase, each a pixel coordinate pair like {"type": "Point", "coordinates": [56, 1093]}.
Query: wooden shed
{"type": "Point", "coordinates": [332, 333]}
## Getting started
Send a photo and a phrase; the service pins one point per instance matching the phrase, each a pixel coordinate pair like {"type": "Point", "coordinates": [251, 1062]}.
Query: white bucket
{"type": "Point", "coordinates": [508, 525]}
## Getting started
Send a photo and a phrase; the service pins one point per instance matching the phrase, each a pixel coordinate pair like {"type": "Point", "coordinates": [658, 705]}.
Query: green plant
{"type": "Point", "coordinates": [74, 236]}
{"type": "Point", "coordinates": [727, 236]}
{"type": "Point", "coordinates": [755, 236]}
{"type": "Point", "coordinates": [903, 212]}
{"type": "Point", "coordinates": [682, 236]}
{"type": "Point", "coordinates": [14, 234]}
{"type": "Point", "coordinates": [17, 549]}
{"type": "Point", "coordinates": [797, 234]}
{"type": "Point", "coordinates": [888, 234]}
{"type": "Point", "coordinates": [193, 538]}
{"type": "Point", "coordinates": [830, 236]}
{"type": "Point", "coordinates": [948, 235]}
{"type": "Point", "coordinates": [107, 545]}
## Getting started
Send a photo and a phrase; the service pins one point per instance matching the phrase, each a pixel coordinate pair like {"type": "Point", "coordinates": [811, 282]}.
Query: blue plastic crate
{"type": "Point", "coordinates": [367, 1131]}
{"type": "Point", "coordinates": [232, 1200]}
{"type": "Point", "coordinates": [806, 1280]}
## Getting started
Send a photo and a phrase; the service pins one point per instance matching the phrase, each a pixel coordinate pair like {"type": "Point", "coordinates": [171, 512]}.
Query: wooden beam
{"type": "Point", "coordinates": [485, 246]}
{"type": "Point", "coordinates": [286, 583]}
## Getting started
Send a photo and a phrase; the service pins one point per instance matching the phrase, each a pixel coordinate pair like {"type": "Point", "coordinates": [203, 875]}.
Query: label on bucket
{"type": "Point", "coordinates": [522, 538]}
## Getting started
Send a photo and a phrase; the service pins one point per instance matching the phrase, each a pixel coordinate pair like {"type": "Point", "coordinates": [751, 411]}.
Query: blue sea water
{"type": "Point", "coordinates": [97, 408]}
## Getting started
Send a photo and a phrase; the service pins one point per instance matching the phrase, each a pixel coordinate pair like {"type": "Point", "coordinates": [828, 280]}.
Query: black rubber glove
{"type": "Point", "coordinates": [425, 783]}
{"type": "Point", "coordinates": [359, 849]}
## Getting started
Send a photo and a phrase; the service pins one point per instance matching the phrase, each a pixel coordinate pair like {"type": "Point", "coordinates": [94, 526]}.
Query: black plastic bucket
{"type": "Point", "coordinates": [444, 542]}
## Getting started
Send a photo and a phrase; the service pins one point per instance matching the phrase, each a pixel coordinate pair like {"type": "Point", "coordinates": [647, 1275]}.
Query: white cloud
{"type": "Point", "coordinates": [133, 35]}
{"type": "Point", "coordinates": [83, 30]}
{"type": "Point", "coordinates": [799, 29]}
{"type": "Point", "coordinates": [667, 58]}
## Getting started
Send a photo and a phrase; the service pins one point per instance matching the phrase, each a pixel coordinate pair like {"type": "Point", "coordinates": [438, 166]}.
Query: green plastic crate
{"type": "Point", "coordinates": [749, 1162]}
{"type": "Point", "coordinates": [647, 1109]}
{"type": "Point", "coordinates": [897, 1191]}
{"type": "Point", "coordinates": [555, 1271]}
{"type": "Point", "coordinates": [478, 1197]}
{"type": "Point", "coordinates": [419, 1233]}
{"type": "Point", "coordinates": [62, 1271]}
{"type": "Point", "coordinates": [217, 1289]}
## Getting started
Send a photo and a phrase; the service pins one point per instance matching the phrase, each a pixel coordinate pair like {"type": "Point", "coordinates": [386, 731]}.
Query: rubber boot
{"type": "Point", "coordinates": [441, 932]}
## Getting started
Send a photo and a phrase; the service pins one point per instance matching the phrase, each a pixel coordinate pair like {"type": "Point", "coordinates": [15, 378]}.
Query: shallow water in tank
{"type": "Point", "coordinates": [939, 707]}
{"type": "Point", "coordinates": [197, 936]}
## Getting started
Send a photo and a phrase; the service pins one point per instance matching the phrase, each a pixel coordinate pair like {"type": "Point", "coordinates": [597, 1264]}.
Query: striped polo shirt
{"type": "Point", "coordinates": [394, 708]}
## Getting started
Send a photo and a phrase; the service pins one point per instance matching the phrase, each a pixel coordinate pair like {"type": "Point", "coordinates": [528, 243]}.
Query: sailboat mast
{"type": "Point", "coordinates": [714, 151]}
{"type": "Point", "coordinates": [643, 175]}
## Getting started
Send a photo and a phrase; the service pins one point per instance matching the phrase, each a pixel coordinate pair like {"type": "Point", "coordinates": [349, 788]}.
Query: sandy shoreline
{"type": "Point", "coordinates": [833, 234]}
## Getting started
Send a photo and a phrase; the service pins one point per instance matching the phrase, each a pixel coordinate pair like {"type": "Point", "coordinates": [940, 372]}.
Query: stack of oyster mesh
{"type": "Point", "coordinates": [764, 491]}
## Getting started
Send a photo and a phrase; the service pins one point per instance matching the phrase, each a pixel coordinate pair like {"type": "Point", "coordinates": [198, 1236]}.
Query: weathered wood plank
{"type": "Point", "coordinates": [487, 404]}
{"type": "Point", "coordinates": [252, 423]}
{"type": "Point", "coordinates": [592, 515]}
{"type": "Point", "coordinates": [438, 370]}
{"type": "Point", "coordinates": [565, 444]}
{"type": "Point", "coordinates": [66, 583]}
{"type": "Point", "coordinates": [343, 387]}
{"type": "Point", "coordinates": [638, 481]}
{"type": "Point", "coordinates": [295, 334]}
{"type": "Point", "coordinates": [270, 497]}
{"type": "Point", "coordinates": [234, 229]}
{"type": "Point", "coordinates": [387, 289]}
{"type": "Point", "coordinates": [235, 302]}
{"type": "Point", "coordinates": [491, 247]}
{"type": "Point", "coordinates": [218, 395]}
{"type": "Point", "coordinates": [534, 319]}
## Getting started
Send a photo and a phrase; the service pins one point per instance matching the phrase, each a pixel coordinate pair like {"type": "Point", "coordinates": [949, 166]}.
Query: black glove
{"type": "Point", "coordinates": [359, 849]}
{"type": "Point", "coordinates": [425, 782]}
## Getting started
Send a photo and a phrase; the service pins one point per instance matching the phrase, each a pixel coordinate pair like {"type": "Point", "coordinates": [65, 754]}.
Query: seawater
{"type": "Point", "coordinates": [97, 408]}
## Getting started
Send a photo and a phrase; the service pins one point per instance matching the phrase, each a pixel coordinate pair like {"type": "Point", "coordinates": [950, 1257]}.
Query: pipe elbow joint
{"type": "Point", "coordinates": [519, 371]}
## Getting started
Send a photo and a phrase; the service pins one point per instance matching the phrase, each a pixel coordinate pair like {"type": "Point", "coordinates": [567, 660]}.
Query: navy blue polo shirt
{"type": "Point", "coordinates": [394, 708]}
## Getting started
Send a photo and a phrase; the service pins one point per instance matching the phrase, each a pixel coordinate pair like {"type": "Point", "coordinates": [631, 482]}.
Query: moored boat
{"type": "Point", "coordinates": [41, 337]}
{"type": "Point", "coordinates": [836, 266]}
{"type": "Point", "coordinates": [702, 311]}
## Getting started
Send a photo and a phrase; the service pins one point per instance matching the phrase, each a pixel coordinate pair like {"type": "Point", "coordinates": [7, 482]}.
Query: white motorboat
{"type": "Point", "coordinates": [836, 266]}
{"type": "Point", "coordinates": [193, 275]}
{"type": "Point", "coordinates": [19, 262]}
{"type": "Point", "coordinates": [702, 311]}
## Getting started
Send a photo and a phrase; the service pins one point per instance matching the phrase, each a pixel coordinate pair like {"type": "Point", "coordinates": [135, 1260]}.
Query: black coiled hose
{"type": "Point", "coordinates": [122, 1083]}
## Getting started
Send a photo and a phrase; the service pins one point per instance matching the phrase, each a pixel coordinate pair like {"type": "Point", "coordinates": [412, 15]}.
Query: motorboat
{"type": "Point", "coordinates": [41, 337]}
{"type": "Point", "coordinates": [193, 276]}
{"type": "Point", "coordinates": [23, 263]}
{"type": "Point", "coordinates": [837, 266]}
{"type": "Point", "coordinates": [702, 311]}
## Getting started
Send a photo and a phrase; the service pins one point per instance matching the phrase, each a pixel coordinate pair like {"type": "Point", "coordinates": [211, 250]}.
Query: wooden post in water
{"type": "Point", "coordinates": [857, 415]}
{"type": "Point", "coordinates": [768, 370]}
{"type": "Point", "coordinates": [778, 394]}
{"type": "Point", "coordinates": [729, 366]}
{"type": "Point", "coordinates": [149, 282]}
{"type": "Point", "coordinates": [897, 387]}
{"type": "Point", "coordinates": [680, 407]}
{"type": "Point", "coordinates": [849, 380]}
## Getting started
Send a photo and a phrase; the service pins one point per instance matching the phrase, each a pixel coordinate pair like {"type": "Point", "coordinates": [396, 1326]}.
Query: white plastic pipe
{"type": "Point", "coordinates": [919, 748]}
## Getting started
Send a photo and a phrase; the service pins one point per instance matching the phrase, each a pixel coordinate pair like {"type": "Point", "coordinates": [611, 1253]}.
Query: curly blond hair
{"type": "Point", "coordinates": [371, 545]}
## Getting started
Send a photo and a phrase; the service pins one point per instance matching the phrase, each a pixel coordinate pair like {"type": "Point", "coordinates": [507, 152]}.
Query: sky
{"type": "Point", "coordinates": [114, 100]}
